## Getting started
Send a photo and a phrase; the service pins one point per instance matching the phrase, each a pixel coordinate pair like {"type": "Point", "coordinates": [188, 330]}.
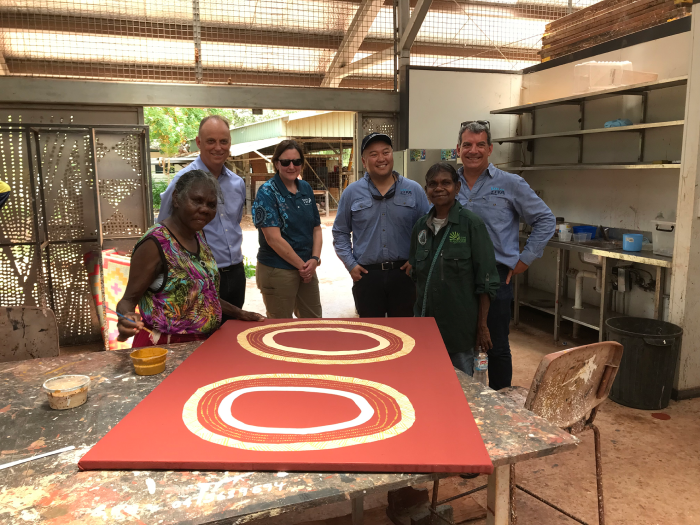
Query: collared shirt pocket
{"type": "Point", "coordinates": [500, 206]}
{"type": "Point", "coordinates": [422, 261]}
{"type": "Point", "coordinates": [361, 213]}
{"type": "Point", "coordinates": [456, 260]}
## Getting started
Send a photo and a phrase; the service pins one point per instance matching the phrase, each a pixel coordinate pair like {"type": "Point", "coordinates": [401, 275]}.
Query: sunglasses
{"type": "Point", "coordinates": [286, 162]}
{"type": "Point", "coordinates": [482, 122]}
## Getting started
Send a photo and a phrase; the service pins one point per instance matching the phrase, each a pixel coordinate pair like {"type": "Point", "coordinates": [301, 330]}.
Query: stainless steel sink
{"type": "Point", "coordinates": [603, 245]}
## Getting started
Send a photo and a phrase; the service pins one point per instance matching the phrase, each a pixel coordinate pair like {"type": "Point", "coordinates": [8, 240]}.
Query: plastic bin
{"type": "Point", "coordinates": [645, 378]}
{"type": "Point", "coordinates": [663, 235]}
{"type": "Point", "coordinates": [593, 230]}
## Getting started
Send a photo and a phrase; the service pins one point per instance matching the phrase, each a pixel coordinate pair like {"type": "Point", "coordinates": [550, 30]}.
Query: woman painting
{"type": "Point", "coordinates": [173, 277]}
{"type": "Point", "coordinates": [454, 266]}
{"type": "Point", "coordinates": [289, 225]}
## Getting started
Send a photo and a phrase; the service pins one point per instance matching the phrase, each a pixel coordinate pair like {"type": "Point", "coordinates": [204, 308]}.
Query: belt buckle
{"type": "Point", "coordinates": [387, 266]}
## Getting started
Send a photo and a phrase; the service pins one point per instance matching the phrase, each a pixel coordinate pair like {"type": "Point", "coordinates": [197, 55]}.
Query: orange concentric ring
{"type": "Point", "coordinates": [390, 343]}
{"type": "Point", "coordinates": [392, 414]}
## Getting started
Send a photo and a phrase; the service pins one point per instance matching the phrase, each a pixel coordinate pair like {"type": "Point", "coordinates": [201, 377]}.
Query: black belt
{"type": "Point", "coordinates": [391, 265]}
{"type": "Point", "coordinates": [229, 268]}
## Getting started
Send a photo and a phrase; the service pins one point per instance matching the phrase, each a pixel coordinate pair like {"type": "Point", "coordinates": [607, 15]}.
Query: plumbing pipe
{"type": "Point", "coordinates": [580, 275]}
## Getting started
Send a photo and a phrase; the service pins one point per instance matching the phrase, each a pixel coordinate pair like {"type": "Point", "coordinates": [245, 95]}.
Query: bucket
{"type": "Point", "coordinates": [648, 365]}
{"type": "Point", "coordinates": [632, 242]}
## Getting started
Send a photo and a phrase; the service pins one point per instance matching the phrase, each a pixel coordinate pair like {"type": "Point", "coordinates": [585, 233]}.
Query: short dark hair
{"type": "Point", "coordinates": [284, 146]}
{"type": "Point", "coordinates": [189, 179]}
{"type": "Point", "coordinates": [440, 167]}
{"type": "Point", "coordinates": [214, 117]}
{"type": "Point", "coordinates": [474, 127]}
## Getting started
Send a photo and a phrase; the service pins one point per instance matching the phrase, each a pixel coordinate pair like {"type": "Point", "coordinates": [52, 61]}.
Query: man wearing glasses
{"type": "Point", "coordinates": [501, 199]}
{"type": "Point", "coordinates": [223, 233]}
{"type": "Point", "coordinates": [372, 232]}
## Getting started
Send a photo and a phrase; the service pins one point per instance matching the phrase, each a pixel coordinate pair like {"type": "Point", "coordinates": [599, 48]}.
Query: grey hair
{"type": "Point", "coordinates": [185, 183]}
{"type": "Point", "coordinates": [214, 117]}
{"type": "Point", "coordinates": [474, 127]}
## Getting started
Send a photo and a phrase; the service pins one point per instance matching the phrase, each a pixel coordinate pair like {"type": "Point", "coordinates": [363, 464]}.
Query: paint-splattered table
{"type": "Point", "coordinates": [52, 490]}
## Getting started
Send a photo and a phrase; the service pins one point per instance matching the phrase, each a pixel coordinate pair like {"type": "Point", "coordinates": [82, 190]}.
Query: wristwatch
{"type": "Point", "coordinates": [318, 260]}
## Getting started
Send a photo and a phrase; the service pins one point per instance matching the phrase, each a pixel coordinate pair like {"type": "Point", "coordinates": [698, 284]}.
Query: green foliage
{"type": "Point", "coordinates": [249, 268]}
{"type": "Point", "coordinates": [158, 187]}
{"type": "Point", "coordinates": [170, 127]}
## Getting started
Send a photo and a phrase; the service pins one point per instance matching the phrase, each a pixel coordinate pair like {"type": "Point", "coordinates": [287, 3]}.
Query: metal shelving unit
{"type": "Point", "coordinates": [641, 90]}
{"type": "Point", "coordinates": [635, 89]}
{"type": "Point", "coordinates": [579, 132]}
{"type": "Point", "coordinates": [563, 167]}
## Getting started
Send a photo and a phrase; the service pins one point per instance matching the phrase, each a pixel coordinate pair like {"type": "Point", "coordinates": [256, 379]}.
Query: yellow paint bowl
{"type": "Point", "coordinates": [149, 361]}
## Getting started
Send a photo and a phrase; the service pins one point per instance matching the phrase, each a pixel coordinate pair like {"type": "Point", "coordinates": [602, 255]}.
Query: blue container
{"type": "Point", "coordinates": [586, 229]}
{"type": "Point", "coordinates": [632, 242]}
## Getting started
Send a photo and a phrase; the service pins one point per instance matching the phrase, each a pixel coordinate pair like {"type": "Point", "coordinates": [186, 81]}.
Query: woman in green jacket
{"type": "Point", "coordinates": [454, 267]}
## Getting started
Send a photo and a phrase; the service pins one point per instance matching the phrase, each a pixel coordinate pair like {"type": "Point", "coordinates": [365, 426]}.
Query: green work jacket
{"type": "Point", "coordinates": [465, 268]}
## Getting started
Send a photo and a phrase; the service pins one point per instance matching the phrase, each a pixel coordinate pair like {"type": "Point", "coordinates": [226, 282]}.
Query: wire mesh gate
{"type": "Point", "coordinates": [75, 190]}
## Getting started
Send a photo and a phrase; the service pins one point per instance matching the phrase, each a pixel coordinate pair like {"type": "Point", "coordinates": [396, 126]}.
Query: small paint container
{"type": "Point", "coordinates": [632, 242]}
{"type": "Point", "coordinates": [67, 391]}
{"type": "Point", "coordinates": [149, 361]}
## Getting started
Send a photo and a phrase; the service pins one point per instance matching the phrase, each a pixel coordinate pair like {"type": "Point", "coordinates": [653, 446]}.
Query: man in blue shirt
{"type": "Point", "coordinates": [372, 232]}
{"type": "Point", "coordinates": [501, 199]}
{"type": "Point", "coordinates": [223, 233]}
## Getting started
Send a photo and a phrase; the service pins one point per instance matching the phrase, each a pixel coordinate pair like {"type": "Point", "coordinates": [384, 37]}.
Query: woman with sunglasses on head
{"type": "Point", "coordinates": [289, 226]}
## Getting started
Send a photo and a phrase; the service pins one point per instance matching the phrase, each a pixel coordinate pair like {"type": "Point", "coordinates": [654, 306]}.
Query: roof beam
{"type": "Point", "coordinates": [411, 31]}
{"type": "Point", "coordinates": [356, 33]}
{"type": "Point", "coordinates": [407, 38]}
{"type": "Point", "coordinates": [22, 90]}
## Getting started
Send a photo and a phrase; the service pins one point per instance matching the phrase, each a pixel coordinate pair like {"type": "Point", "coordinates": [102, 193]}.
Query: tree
{"type": "Point", "coordinates": [171, 126]}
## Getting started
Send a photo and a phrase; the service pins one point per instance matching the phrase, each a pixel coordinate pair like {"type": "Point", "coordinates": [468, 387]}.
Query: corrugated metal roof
{"type": "Point", "coordinates": [247, 147]}
{"type": "Point", "coordinates": [304, 124]}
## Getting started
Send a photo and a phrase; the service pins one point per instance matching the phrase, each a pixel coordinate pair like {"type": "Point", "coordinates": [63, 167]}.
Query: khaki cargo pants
{"type": "Point", "coordinates": [285, 294]}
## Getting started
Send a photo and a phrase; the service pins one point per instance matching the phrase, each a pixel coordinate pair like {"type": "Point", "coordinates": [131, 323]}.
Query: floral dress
{"type": "Point", "coordinates": [187, 301]}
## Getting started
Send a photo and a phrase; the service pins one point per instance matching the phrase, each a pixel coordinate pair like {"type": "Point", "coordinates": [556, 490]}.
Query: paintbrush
{"type": "Point", "coordinates": [125, 317]}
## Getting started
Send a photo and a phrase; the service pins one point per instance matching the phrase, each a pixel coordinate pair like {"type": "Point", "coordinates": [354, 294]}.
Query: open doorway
{"type": "Point", "coordinates": [328, 139]}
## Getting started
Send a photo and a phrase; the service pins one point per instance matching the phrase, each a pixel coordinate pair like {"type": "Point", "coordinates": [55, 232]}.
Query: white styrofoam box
{"type": "Point", "coordinates": [592, 76]}
{"type": "Point", "coordinates": [663, 235]}
{"type": "Point", "coordinates": [630, 77]}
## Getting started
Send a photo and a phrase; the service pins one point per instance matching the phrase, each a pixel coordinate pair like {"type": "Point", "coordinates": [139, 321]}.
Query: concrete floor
{"type": "Point", "coordinates": [651, 466]}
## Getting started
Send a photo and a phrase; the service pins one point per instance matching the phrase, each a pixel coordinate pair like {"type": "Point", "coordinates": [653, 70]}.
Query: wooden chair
{"type": "Point", "coordinates": [567, 390]}
{"type": "Point", "coordinates": [27, 332]}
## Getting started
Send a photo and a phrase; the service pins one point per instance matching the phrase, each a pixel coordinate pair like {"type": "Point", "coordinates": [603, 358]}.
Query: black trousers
{"type": "Point", "coordinates": [498, 322]}
{"type": "Point", "coordinates": [384, 293]}
{"type": "Point", "coordinates": [232, 286]}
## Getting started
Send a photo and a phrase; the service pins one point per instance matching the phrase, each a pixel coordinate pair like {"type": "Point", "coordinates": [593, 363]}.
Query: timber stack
{"type": "Point", "coordinates": [605, 21]}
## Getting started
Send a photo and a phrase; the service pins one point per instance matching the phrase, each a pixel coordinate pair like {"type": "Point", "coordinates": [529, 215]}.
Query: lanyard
{"type": "Point", "coordinates": [432, 266]}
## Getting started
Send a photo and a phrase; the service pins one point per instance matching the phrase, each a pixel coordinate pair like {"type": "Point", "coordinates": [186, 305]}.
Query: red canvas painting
{"type": "Point", "coordinates": [334, 395]}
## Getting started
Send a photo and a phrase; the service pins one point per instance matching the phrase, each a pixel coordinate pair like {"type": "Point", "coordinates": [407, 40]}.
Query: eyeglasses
{"type": "Point", "coordinates": [485, 123]}
{"type": "Point", "coordinates": [286, 162]}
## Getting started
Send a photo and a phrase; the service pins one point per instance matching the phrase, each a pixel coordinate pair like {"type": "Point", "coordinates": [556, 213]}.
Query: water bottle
{"type": "Point", "coordinates": [481, 366]}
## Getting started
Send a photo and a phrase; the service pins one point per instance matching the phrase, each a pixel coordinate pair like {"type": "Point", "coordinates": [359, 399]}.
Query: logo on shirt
{"type": "Point", "coordinates": [306, 200]}
{"type": "Point", "coordinates": [456, 238]}
{"type": "Point", "coordinates": [406, 192]}
{"type": "Point", "coordinates": [423, 237]}
{"type": "Point", "coordinates": [497, 191]}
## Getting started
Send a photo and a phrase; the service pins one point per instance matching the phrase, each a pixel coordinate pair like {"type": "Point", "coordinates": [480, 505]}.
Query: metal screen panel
{"type": "Point", "coordinates": [57, 213]}
{"type": "Point", "coordinates": [122, 186]}
{"type": "Point", "coordinates": [386, 124]}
